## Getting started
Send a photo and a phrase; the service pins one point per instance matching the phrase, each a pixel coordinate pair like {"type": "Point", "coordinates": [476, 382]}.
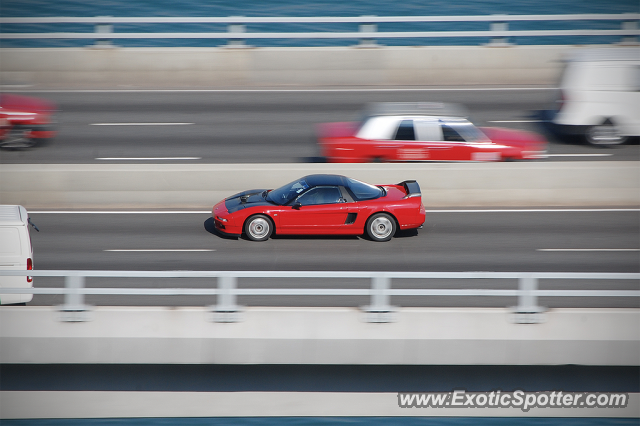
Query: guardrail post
{"type": "Point", "coordinates": [368, 27]}
{"type": "Point", "coordinates": [630, 26]}
{"type": "Point", "coordinates": [103, 28]}
{"type": "Point", "coordinates": [380, 310]}
{"type": "Point", "coordinates": [74, 309]}
{"type": "Point", "coordinates": [499, 41]}
{"type": "Point", "coordinates": [226, 309]}
{"type": "Point", "coordinates": [235, 30]}
{"type": "Point", "coordinates": [528, 311]}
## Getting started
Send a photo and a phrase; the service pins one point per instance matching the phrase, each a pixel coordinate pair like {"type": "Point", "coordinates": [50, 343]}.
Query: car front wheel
{"type": "Point", "coordinates": [381, 227]}
{"type": "Point", "coordinates": [258, 228]}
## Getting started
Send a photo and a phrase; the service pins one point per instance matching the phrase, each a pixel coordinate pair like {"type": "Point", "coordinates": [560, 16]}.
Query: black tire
{"type": "Point", "coordinates": [381, 227]}
{"type": "Point", "coordinates": [605, 134]}
{"type": "Point", "coordinates": [258, 228]}
{"type": "Point", "coordinates": [16, 138]}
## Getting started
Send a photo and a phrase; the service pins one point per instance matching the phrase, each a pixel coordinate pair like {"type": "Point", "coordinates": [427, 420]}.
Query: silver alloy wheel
{"type": "Point", "coordinates": [259, 228]}
{"type": "Point", "coordinates": [604, 134]}
{"type": "Point", "coordinates": [381, 227]}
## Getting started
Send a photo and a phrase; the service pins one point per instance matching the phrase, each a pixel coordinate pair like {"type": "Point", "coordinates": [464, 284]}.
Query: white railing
{"type": "Point", "coordinates": [527, 309]}
{"type": "Point", "coordinates": [367, 30]}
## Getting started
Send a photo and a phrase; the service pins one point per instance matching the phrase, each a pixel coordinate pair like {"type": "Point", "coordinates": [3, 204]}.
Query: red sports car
{"type": "Point", "coordinates": [25, 120]}
{"type": "Point", "coordinates": [322, 204]}
{"type": "Point", "coordinates": [423, 132]}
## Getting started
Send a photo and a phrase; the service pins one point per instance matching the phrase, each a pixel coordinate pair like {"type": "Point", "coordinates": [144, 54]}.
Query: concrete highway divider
{"type": "Point", "coordinates": [420, 336]}
{"type": "Point", "coordinates": [116, 186]}
{"type": "Point", "coordinates": [182, 67]}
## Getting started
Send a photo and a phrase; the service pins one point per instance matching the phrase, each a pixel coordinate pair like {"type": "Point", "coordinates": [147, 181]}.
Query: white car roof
{"type": "Point", "coordinates": [13, 215]}
{"type": "Point", "coordinates": [383, 127]}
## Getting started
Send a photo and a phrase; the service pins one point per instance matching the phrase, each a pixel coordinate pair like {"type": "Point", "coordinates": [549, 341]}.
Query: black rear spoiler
{"type": "Point", "coordinates": [412, 188]}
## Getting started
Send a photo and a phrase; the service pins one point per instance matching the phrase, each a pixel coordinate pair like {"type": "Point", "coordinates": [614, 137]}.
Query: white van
{"type": "Point", "coordinates": [600, 95]}
{"type": "Point", "coordinates": [16, 251]}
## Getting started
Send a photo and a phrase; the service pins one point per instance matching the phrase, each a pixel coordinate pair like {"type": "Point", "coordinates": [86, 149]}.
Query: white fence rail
{"type": "Point", "coordinates": [367, 27]}
{"type": "Point", "coordinates": [380, 291]}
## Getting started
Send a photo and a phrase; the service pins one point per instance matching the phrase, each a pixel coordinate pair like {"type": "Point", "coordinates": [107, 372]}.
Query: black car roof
{"type": "Point", "coordinates": [325, 179]}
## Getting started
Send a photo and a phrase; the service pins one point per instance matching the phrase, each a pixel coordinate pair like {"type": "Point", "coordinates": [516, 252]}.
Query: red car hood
{"type": "Point", "coordinates": [18, 103]}
{"type": "Point", "coordinates": [337, 130]}
{"type": "Point", "coordinates": [516, 138]}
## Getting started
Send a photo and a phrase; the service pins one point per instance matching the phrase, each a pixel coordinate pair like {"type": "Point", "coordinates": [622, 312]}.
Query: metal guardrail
{"type": "Point", "coordinates": [367, 31]}
{"type": "Point", "coordinates": [226, 309]}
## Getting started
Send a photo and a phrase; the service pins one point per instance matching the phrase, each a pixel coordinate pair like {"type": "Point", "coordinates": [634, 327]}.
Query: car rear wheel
{"type": "Point", "coordinates": [17, 137]}
{"type": "Point", "coordinates": [258, 228]}
{"type": "Point", "coordinates": [381, 227]}
{"type": "Point", "coordinates": [605, 134]}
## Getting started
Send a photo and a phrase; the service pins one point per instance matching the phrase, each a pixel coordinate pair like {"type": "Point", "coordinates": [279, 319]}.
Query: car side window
{"type": "Point", "coordinates": [320, 195]}
{"type": "Point", "coordinates": [451, 135]}
{"type": "Point", "coordinates": [405, 131]}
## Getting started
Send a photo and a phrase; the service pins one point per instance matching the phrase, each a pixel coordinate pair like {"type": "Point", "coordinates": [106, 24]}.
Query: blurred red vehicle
{"type": "Point", "coordinates": [25, 120]}
{"type": "Point", "coordinates": [423, 132]}
{"type": "Point", "coordinates": [322, 204]}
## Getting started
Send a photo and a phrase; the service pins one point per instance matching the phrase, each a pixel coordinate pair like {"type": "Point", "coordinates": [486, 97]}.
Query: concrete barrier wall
{"type": "Point", "coordinates": [163, 67]}
{"type": "Point", "coordinates": [420, 336]}
{"type": "Point", "coordinates": [595, 183]}
{"type": "Point", "coordinates": [137, 404]}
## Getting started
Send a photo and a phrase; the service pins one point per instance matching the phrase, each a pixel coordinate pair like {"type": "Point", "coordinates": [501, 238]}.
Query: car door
{"type": "Point", "coordinates": [431, 141]}
{"type": "Point", "coordinates": [406, 147]}
{"type": "Point", "coordinates": [455, 146]}
{"type": "Point", "coordinates": [467, 142]}
{"type": "Point", "coordinates": [319, 210]}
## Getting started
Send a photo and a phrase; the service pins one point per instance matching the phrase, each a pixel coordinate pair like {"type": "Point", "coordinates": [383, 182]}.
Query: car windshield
{"type": "Point", "coordinates": [364, 191]}
{"type": "Point", "coordinates": [288, 192]}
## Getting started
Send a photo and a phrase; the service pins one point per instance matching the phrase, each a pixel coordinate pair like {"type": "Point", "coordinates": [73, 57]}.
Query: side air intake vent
{"type": "Point", "coordinates": [351, 218]}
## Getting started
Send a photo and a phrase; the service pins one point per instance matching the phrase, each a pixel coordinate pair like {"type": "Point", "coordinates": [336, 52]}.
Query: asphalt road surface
{"type": "Point", "coordinates": [452, 241]}
{"type": "Point", "coordinates": [264, 126]}
{"type": "Point", "coordinates": [259, 126]}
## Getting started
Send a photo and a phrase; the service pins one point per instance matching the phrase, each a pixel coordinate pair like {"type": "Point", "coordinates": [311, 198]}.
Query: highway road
{"type": "Point", "coordinates": [277, 126]}
{"type": "Point", "coordinates": [259, 126]}
{"type": "Point", "coordinates": [588, 240]}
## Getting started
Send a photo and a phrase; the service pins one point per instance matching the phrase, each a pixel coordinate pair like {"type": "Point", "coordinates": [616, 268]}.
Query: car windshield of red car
{"type": "Point", "coordinates": [288, 192]}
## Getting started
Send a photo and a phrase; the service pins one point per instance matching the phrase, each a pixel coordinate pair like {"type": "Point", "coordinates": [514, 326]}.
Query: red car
{"type": "Point", "coordinates": [423, 132]}
{"type": "Point", "coordinates": [25, 120]}
{"type": "Point", "coordinates": [322, 204]}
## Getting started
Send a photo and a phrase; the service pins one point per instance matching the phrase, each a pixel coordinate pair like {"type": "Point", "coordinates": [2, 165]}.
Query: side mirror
{"type": "Point", "coordinates": [33, 225]}
{"type": "Point", "coordinates": [297, 206]}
